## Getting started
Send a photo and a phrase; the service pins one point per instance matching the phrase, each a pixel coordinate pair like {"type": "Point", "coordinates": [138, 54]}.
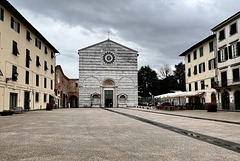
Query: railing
{"type": "Point", "coordinates": [226, 83]}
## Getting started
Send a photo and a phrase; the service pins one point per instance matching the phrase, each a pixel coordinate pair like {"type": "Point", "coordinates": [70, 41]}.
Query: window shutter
{"type": "Point", "coordinates": [214, 63]}
{"type": "Point", "coordinates": [230, 52]}
{"type": "Point", "coordinates": [36, 40]}
{"type": "Point", "coordinates": [200, 68]}
{"type": "Point", "coordinates": [238, 49]}
{"type": "Point", "coordinates": [219, 56]}
{"type": "Point", "coordinates": [18, 27]}
{"type": "Point", "coordinates": [209, 64]}
{"type": "Point", "coordinates": [226, 53]}
{"type": "Point", "coordinates": [12, 22]}
{"type": "Point", "coordinates": [2, 14]}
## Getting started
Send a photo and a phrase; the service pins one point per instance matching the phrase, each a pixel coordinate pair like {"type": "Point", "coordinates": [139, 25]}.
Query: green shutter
{"type": "Point", "coordinates": [226, 53]}
{"type": "Point", "coordinates": [212, 82]}
{"type": "Point", "coordinates": [230, 52]}
{"type": "Point", "coordinates": [236, 75]}
{"type": "Point", "coordinates": [2, 14]}
{"type": "Point", "coordinates": [214, 63]}
{"type": "Point", "coordinates": [189, 87]}
{"type": "Point", "coordinates": [238, 49]}
{"type": "Point", "coordinates": [18, 27]}
{"type": "Point", "coordinates": [200, 70]}
{"type": "Point", "coordinates": [12, 22]}
{"type": "Point", "coordinates": [219, 56]}
{"type": "Point", "coordinates": [209, 64]}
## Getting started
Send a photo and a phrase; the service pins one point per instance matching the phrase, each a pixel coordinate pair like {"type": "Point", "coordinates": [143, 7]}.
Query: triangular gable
{"type": "Point", "coordinates": [108, 40]}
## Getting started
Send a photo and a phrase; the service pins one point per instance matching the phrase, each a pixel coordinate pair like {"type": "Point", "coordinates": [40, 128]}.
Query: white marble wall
{"type": "Point", "coordinates": [93, 71]}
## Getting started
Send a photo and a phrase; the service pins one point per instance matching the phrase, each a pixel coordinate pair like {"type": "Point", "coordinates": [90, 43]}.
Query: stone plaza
{"type": "Point", "coordinates": [114, 134]}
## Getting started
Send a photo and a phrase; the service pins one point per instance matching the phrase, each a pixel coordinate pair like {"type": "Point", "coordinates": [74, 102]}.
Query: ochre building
{"type": "Point", "coordinates": [27, 63]}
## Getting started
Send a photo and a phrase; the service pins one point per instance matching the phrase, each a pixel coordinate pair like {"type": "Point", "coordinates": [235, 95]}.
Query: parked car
{"type": "Point", "coordinates": [162, 105]}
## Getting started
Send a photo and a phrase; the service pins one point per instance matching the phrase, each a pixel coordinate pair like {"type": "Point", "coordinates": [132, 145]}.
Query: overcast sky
{"type": "Point", "coordinates": [159, 30]}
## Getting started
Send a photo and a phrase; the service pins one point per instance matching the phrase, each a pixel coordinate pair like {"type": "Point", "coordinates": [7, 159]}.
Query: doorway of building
{"type": "Point", "coordinates": [13, 100]}
{"type": "Point", "coordinates": [237, 100]}
{"type": "Point", "coordinates": [26, 100]}
{"type": "Point", "coordinates": [225, 100]}
{"type": "Point", "coordinates": [73, 101]}
{"type": "Point", "coordinates": [108, 98]}
{"type": "Point", "coordinates": [213, 98]}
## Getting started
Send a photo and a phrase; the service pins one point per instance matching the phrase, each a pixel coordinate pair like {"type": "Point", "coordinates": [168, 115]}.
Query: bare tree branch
{"type": "Point", "coordinates": [164, 71]}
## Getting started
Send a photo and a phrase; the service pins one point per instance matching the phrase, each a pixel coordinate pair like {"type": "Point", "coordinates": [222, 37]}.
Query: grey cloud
{"type": "Point", "coordinates": [165, 28]}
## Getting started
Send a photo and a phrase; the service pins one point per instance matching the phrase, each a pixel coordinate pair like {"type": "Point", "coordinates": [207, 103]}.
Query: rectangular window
{"type": "Point", "coordinates": [233, 29]}
{"type": "Point", "coordinates": [2, 14]}
{"type": "Point", "coordinates": [45, 51]}
{"type": "Point", "coordinates": [236, 75]}
{"type": "Point", "coordinates": [189, 58]}
{"type": "Point", "coordinates": [14, 73]}
{"type": "Point", "coordinates": [28, 58]}
{"type": "Point", "coordinates": [211, 64]}
{"type": "Point", "coordinates": [189, 87]}
{"type": "Point", "coordinates": [224, 79]}
{"type": "Point", "coordinates": [201, 67]}
{"type": "Point", "coordinates": [52, 55]}
{"type": "Point", "coordinates": [45, 98]}
{"type": "Point", "coordinates": [38, 43]}
{"type": "Point", "coordinates": [223, 54]}
{"type": "Point", "coordinates": [15, 48]}
{"type": "Point", "coordinates": [212, 82]}
{"type": "Point", "coordinates": [37, 80]}
{"type": "Point", "coordinates": [37, 97]}
{"type": "Point", "coordinates": [45, 66]}
{"type": "Point", "coordinates": [27, 77]}
{"type": "Point", "coordinates": [233, 51]}
{"type": "Point", "coordinates": [189, 72]}
{"type": "Point", "coordinates": [76, 84]}
{"type": "Point", "coordinates": [196, 86]}
{"type": "Point", "coordinates": [15, 25]}
{"type": "Point", "coordinates": [195, 70]}
{"type": "Point", "coordinates": [202, 84]}
{"type": "Point", "coordinates": [38, 61]}
{"type": "Point", "coordinates": [195, 54]}
{"type": "Point", "coordinates": [28, 37]}
{"type": "Point", "coordinates": [51, 84]}
{"type": "Point", "coordinates": [201, 51]}
{"type": "Point", "coordinates": [221, 35]}
{"type": "Point", "coordinates": [52, 70]}
{"type": "Point", "coordinates": [210, 46]}
{"type": "Point", "coordinates": [45, 82]}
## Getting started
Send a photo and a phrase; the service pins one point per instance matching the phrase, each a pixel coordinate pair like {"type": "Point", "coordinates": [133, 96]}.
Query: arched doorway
{"type": "Point", "coordinates": [73, 101]}
{"type": "Point", "coordinates": [237, 100]}
{"type": "Point", "coordinates": [213, 98]}
{"type": "Point", "coordinates": [109, 93]}
{"type": "Point", "coordinates": [225, 100]}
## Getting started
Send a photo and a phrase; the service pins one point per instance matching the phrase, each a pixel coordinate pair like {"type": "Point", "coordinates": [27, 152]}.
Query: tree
{"type": "Point", "coordinates": [179, 74]}
{"type": "Point", "coordinates": [147, 81]}
{"type": "Point", "coordinates": [164, 71]}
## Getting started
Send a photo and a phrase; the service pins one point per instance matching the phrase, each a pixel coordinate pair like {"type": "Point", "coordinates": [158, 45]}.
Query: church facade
{"type": "Point", "coordinates": [108, 75]}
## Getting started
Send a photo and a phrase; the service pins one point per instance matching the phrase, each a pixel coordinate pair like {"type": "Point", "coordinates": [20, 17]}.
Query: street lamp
{"type": "Point", "coordinates": [14, 77]}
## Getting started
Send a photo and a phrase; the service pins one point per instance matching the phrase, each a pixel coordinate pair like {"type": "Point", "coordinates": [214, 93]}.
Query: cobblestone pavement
{"type": "Point", "coordinates": [114, 134]}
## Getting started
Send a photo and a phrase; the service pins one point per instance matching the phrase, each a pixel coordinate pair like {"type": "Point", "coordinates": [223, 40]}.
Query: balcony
{"type": "Point", "coordinates": [225, 84]}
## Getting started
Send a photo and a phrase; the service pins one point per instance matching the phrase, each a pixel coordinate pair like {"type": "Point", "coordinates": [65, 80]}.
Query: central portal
{"type": "Point", "coordinates": [108, 95]}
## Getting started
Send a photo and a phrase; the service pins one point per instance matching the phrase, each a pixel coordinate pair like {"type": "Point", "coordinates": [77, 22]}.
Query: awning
{"type": "Point", "coordinates": [179, 95]}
